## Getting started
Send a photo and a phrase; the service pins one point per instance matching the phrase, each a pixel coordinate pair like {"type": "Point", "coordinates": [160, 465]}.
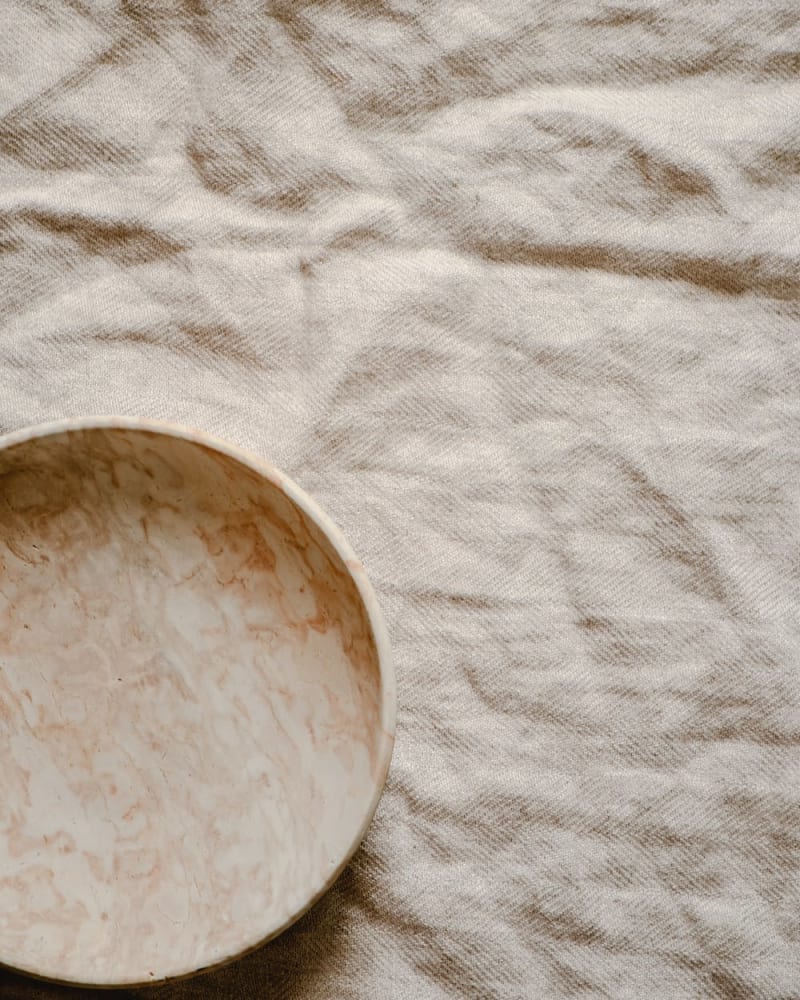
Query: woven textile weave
{"type": "Point", "coordinates": [513, 289]}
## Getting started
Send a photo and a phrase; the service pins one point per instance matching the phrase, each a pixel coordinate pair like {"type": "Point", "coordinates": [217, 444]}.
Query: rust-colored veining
{"type": "Point", "coordinates": [185, 662]}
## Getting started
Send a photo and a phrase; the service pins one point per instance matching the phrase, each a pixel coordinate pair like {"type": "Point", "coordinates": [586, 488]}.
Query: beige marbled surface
{"type": "Point", "coordinates": [192, 720]}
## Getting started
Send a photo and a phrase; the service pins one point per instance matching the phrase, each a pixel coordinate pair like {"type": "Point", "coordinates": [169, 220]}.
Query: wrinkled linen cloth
{"type": "Point", "coordinates": [513, 289]}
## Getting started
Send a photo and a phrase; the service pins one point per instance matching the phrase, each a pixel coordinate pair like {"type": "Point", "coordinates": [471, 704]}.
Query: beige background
{"type": "Point", "coordinates": [513, 288]}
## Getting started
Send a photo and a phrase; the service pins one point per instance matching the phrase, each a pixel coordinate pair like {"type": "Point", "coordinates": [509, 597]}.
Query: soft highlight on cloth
{"type": "Point", "coordinates": [513, 288]}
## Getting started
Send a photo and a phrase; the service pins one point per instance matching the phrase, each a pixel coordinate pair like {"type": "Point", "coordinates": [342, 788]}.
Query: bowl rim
{"type": "Point", "coordinates": [388, 687]}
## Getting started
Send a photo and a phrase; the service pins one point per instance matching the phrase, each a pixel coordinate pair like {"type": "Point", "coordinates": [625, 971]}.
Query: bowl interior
{"type": "Point", "coordinates": [190, 706]}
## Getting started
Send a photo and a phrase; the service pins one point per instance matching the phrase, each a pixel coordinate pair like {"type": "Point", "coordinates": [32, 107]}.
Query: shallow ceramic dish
{"type": "Point", "coordinates": [196, 702]}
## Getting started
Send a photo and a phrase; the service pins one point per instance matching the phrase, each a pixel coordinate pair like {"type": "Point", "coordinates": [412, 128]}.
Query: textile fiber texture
{"type": "Point", "coordinates": [512, 287]}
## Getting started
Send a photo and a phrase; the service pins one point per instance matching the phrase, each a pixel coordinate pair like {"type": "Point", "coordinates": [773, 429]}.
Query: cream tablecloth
{"type": "Point", "coordinates": [513, 288]}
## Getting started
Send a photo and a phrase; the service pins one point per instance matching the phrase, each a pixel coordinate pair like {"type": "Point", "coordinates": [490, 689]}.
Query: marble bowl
{"type": "Point", "coordinates": [196, 702]}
